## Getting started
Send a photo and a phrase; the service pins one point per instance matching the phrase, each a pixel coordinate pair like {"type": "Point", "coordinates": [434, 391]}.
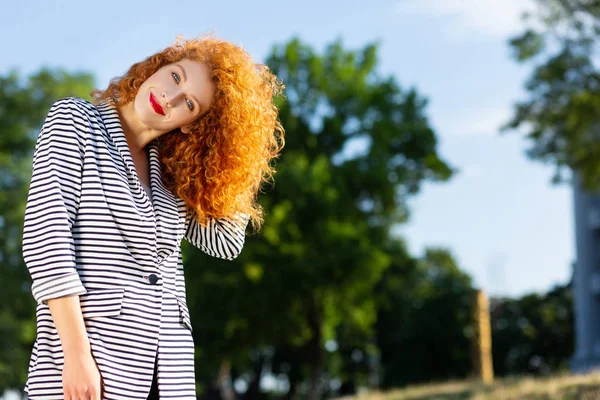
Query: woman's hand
{"type": "Point", "coordinates": [81, 377]}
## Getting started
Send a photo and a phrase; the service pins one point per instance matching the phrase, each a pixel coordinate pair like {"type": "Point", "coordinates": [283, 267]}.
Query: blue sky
{"type": "Point", "coordinates": [507, 226]}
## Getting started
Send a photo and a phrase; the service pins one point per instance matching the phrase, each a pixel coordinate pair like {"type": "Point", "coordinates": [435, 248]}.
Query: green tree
{"type": "Point", "coordinates": [561, 120]}
{"type": "Point", "coordinates": [24, 103]}
{"type": "Point", "coordinates": [425, 322]}
{"type": "Point", "coordinates": [561, 116]}
{"type": "Point", "coordinates": [357, 146]}
{"type": "Point", "coordinates": [533, 334]}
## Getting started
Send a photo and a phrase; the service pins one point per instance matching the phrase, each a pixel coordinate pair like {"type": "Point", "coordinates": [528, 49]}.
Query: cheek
{"type": "Point", "coordinates": [141, 96]}
{"type": "Point", "coordinates": [143, 89]}
{"type": "Point", "coordinates": [178, 119]}
{"type": "Point", "coordinates": [185, 118]}
{"type": "Point", "coordinates": [138, 104]}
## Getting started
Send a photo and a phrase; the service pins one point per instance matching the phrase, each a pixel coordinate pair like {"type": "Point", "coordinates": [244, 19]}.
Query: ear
{"type": "Point", "coordinates": [185, 129]}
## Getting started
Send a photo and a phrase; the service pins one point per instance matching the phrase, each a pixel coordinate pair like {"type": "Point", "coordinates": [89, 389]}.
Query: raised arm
{"type": "Point", "coordinates": [222, 238]}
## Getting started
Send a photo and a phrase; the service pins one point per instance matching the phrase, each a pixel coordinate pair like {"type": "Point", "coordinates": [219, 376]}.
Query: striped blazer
{"type": "Point", "coordinates": [91, 230]}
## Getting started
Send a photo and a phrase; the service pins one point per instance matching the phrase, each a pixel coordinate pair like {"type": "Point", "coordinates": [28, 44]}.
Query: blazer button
{"type": "Point", "coordinates": [152, 278]}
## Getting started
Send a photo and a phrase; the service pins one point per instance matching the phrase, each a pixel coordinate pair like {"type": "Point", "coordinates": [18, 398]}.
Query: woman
{"type": "Point", "coordinates": [177, 148]}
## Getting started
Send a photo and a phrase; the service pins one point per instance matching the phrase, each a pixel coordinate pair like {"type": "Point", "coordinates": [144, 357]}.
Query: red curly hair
{"type": "Point", "coordinates": [219, 166]}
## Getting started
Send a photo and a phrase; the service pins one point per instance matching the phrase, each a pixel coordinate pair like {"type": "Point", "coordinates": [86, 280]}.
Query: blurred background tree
{"type": "Point", "coordinates": [357, 146]}
{"type": "Point", "coordinates": [533, 334]}
{"type": "Point", "coordinates": [324, 300]}
{"type": "Point", "coordinates": [424, 323]}
{"type": "Point", "coordinates": [561, 118]}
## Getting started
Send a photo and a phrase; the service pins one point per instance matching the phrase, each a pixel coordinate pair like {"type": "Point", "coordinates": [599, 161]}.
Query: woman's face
{"type": "Point", "coordinates": [174, 96]}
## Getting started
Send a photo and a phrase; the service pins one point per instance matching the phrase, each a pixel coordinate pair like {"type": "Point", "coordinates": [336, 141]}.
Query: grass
{"type": "Point", "coordinates": [559, 387]}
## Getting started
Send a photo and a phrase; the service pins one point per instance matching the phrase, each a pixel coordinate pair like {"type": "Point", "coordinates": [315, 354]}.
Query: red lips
{"type": "Point", "coordinates": [157, 108]}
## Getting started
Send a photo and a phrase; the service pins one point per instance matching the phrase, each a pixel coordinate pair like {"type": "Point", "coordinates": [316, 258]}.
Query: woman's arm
{"type": "Point", "coordinates": [48, 245]}
{"type": "Point", "coordinates": [81, 377]}
{"type": "Point", "coordinates": [68, 319]}
{"type": "Point", "coordinates": [52, 202]}
{"type": "Point", "coordinates": [222, 238]}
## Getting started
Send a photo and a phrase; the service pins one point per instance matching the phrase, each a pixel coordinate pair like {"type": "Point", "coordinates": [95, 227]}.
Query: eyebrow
{"type": "Point", "coordinates": [202, 107]}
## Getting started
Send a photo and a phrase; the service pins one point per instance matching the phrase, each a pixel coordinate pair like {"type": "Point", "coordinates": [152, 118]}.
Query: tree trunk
{"type": "Point", "coordinates": [294, 377]}
{"type": "Point", "coordinates": [253, 392]}
{"type": "Point", "coordinates": [224, 381]}
{"type": "Point", "coordinates": [316, 351]}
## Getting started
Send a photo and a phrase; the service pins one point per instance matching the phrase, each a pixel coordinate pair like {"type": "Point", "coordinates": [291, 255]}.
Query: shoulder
{"type": "Point", "coordinates": [74, 111]}
{"type": "Point", "coordinates": [74, 106]}
{"type": "Point", "coordinates": [69, 119]}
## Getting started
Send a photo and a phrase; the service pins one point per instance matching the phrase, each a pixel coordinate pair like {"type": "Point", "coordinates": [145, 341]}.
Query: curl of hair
{"type": "Point", "coordinates": [218, 163]}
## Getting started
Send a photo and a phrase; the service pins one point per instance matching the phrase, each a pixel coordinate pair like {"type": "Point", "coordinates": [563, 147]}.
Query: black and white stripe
{"type": "Point", "coordinates": [91, 230]}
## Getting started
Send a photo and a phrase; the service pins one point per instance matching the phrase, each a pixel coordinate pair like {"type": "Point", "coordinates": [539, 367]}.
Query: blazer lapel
{"type": "Point", "coordinates": [169, 210]}
{"type": "Point", "coordinates": [112, 123]}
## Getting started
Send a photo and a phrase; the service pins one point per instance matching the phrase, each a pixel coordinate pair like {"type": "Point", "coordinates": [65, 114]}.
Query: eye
{"type": "Point", "coordinates": [176, 77]}
{"type": "Point", "coordinates": [190, 104]}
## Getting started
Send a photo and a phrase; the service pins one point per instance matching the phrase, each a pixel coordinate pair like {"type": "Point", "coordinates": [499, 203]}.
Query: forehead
{"type": "Point", "coordinates": [195, 71]}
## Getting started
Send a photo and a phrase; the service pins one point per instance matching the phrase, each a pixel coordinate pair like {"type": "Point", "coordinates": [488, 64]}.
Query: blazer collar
{"type": "Point", "coordinates": [169, 210]}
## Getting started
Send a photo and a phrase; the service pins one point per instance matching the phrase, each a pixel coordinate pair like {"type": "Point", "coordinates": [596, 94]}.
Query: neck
{"type": "Point", "coordinates": [136, 133]}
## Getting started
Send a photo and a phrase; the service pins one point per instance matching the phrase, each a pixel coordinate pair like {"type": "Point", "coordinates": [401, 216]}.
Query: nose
{"type": "Point", "coordinates": [172, 97]}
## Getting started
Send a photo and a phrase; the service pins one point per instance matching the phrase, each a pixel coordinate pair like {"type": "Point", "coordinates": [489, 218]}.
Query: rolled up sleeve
{"type": "Point", "coordinates": [221, 238]}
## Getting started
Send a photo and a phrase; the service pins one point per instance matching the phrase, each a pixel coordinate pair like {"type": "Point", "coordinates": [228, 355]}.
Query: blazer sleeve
{"type": "Point", "coordinates": [52, 202]}
{"type": "Point", "coordinates": [222, 238]}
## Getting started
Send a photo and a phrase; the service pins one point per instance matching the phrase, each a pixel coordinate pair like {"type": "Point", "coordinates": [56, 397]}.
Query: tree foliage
{"type": "Point", "coordinates": [560, 117]}
{"type": "Point", "coordinates": [357, 146]}
{"type": "Point", "coordinates": [533, 334]}
{"type": "Point", "coordinates": [425, 320]}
